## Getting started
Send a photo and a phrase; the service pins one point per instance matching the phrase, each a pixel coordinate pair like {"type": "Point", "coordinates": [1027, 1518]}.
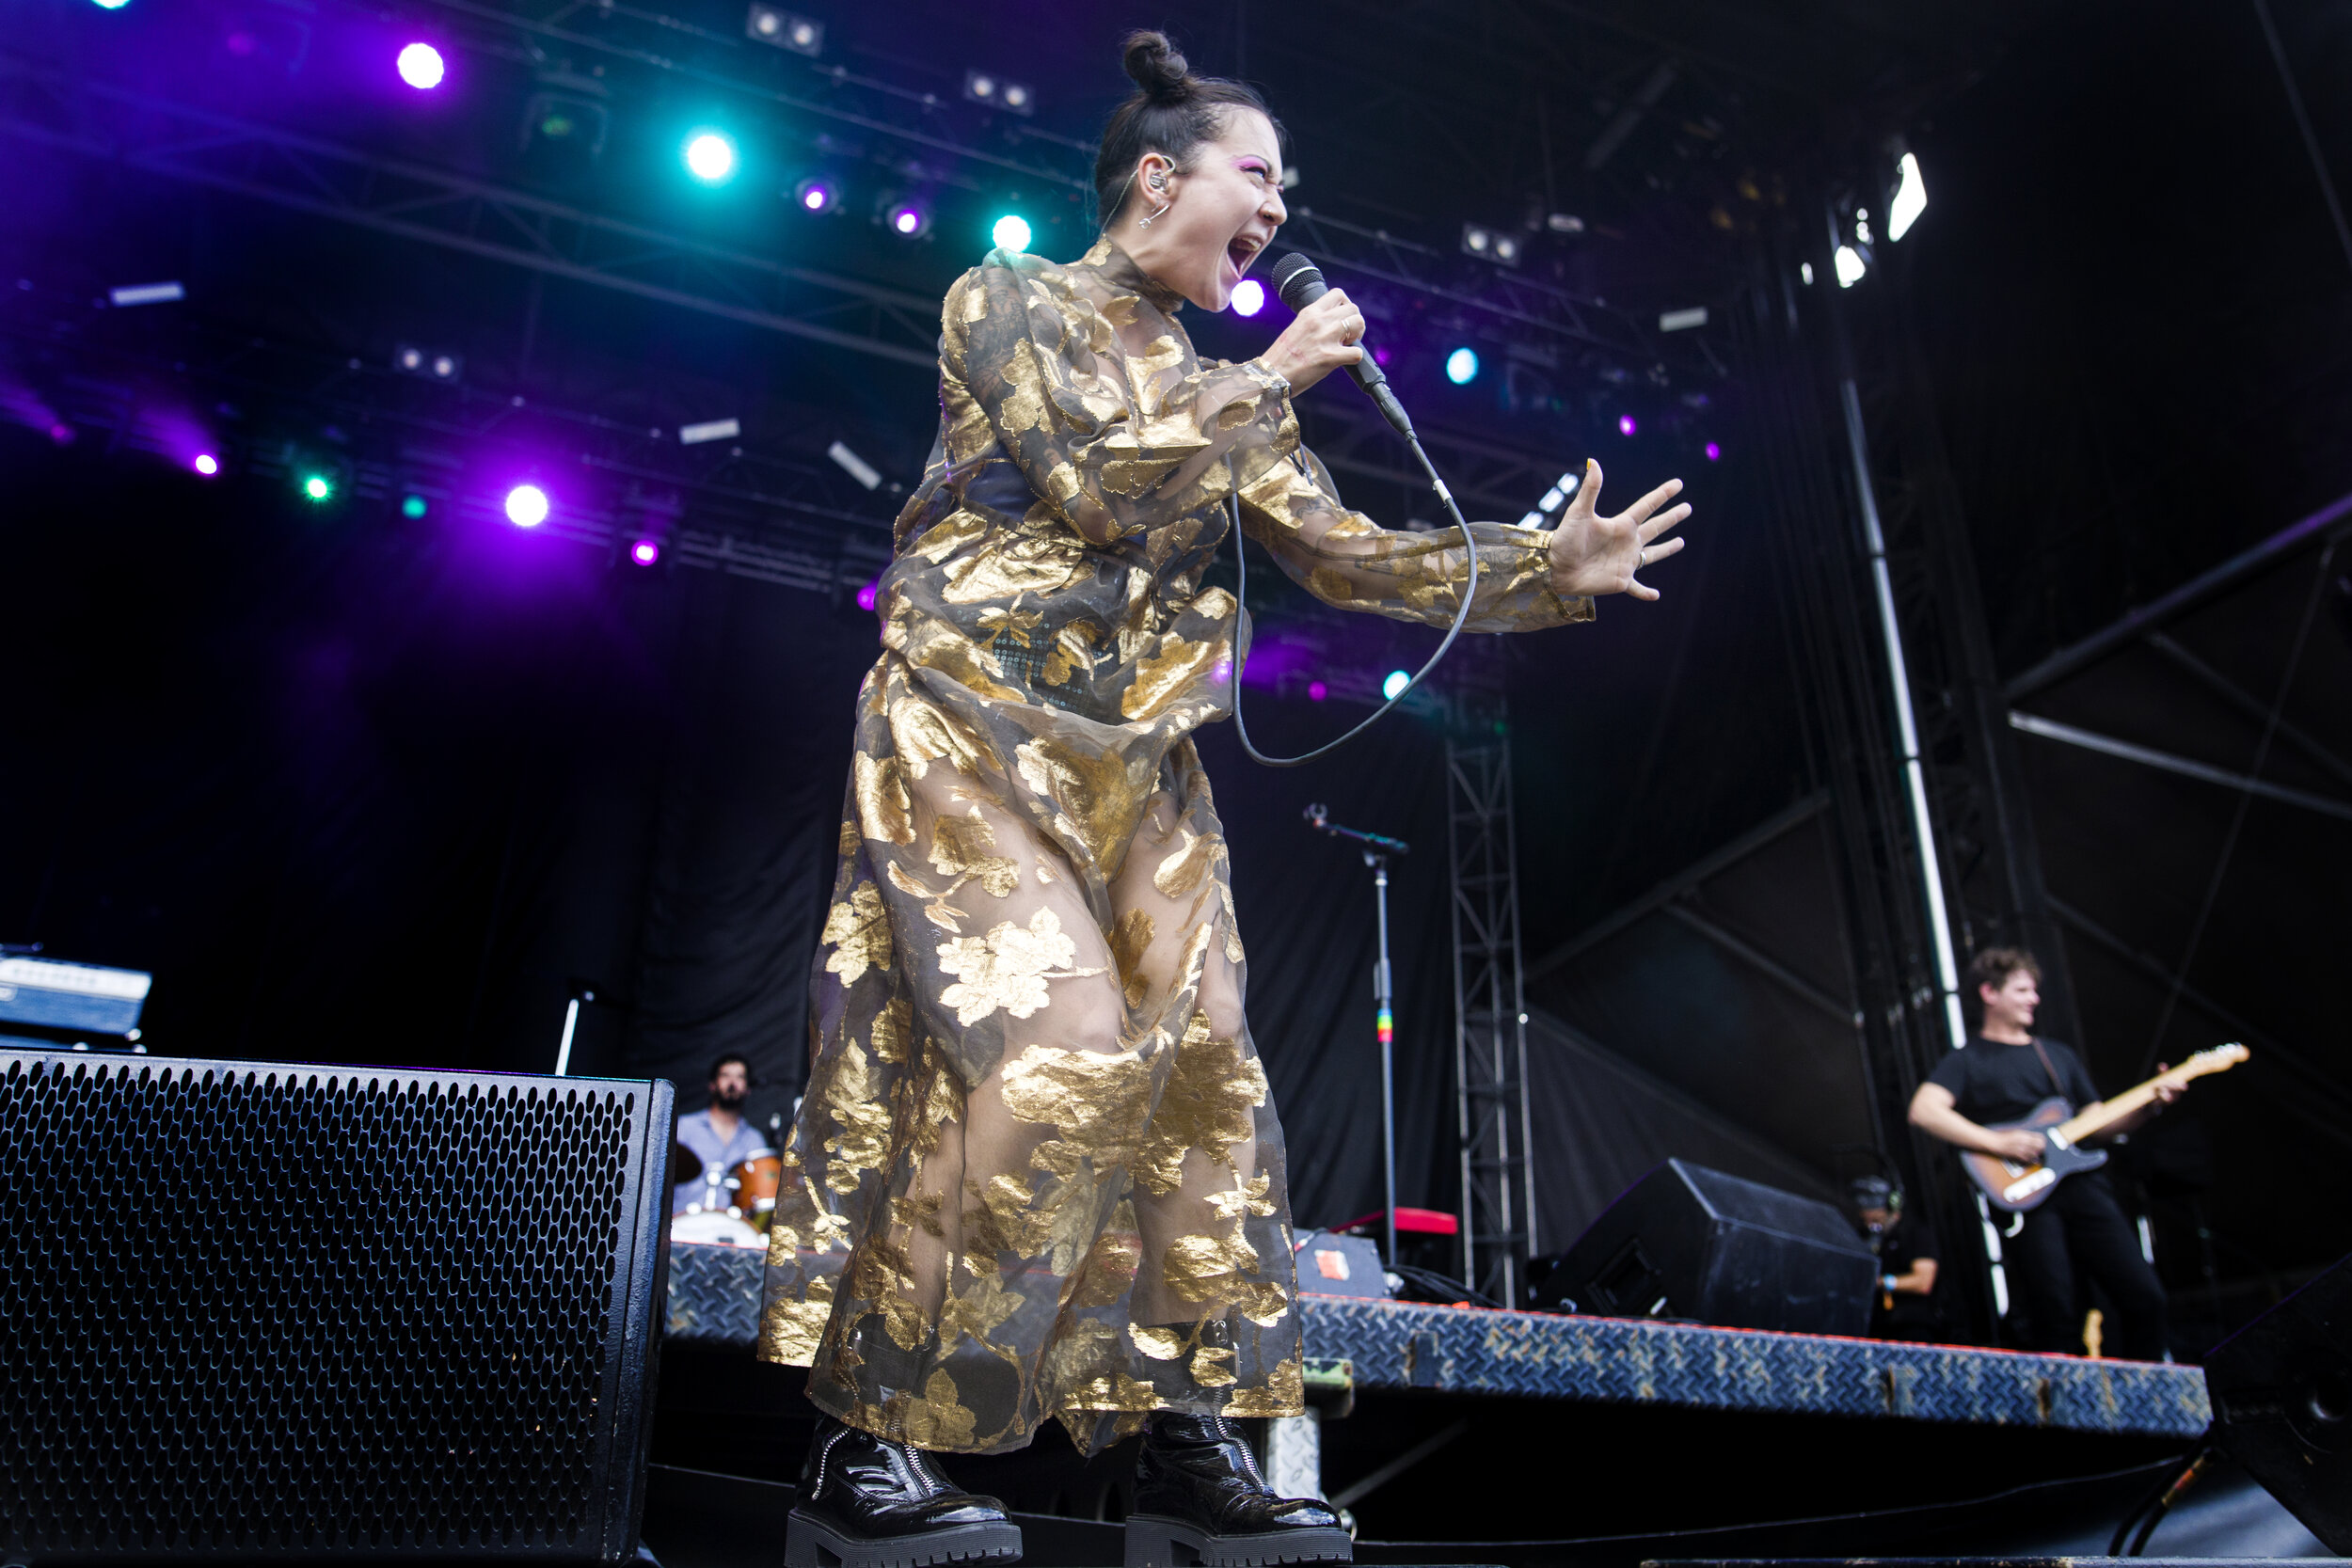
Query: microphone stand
{"type": "Point", "coordinates": [1377, 848]}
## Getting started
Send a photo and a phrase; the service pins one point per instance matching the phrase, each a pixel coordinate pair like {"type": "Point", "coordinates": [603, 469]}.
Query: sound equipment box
{"type": "Point", "coordinates": [258, 1311]}
{"type": "Point", "coordinates": [2281, 1391]}
{"type": "Point", "coordinates": [1686, 1241]}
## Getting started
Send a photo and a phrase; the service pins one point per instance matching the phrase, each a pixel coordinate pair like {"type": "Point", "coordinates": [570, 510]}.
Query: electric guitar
{"type": "Point", "coordinates": [2016, 1186]}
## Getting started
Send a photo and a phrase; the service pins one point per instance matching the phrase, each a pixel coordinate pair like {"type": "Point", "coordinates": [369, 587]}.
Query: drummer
{"type": "Point", "coordinates": [719, 1137]}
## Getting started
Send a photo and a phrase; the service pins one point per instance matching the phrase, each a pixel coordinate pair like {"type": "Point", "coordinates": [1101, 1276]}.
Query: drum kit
{"type": "Point", "coordinates": [736, 1201]}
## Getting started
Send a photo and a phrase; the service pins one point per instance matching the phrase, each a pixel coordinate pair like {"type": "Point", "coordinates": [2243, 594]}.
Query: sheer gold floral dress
{"type": "Point", "coordinates": [1037, 1172]}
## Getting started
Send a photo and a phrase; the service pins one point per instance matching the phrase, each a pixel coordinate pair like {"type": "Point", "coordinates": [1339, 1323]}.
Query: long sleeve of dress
{"type": "Point", "coordinates": [1289, 504]}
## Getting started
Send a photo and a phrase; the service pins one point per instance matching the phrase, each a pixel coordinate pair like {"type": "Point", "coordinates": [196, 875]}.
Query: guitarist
{"type": "Point", "coordinates": [2001, 1075]}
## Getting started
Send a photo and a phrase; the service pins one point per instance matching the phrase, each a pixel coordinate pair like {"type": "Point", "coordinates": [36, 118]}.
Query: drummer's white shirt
{"type": "Point", "coordinates": [718, 1157]}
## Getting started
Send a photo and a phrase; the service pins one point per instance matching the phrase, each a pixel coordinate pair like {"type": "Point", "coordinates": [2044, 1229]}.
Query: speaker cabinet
{"type": "Point", "coordinates": [1686, 1241]}
{"type": "Point", "coordinates": [257, 1311]}
{"type": "Point", "coordinates": [2282, 1390]}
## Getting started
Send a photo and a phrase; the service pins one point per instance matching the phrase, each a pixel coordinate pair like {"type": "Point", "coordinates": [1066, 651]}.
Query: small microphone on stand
{"type": "Point", "coordinates": [1300, 283]}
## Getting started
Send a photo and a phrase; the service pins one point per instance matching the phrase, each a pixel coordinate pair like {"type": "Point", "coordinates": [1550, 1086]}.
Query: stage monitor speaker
{"type": "Point", "coordinates": [1686, 1241]}
{"type": "Point", "coordinates": [258, 1311]}
{"type": "Point", "coordinates": [2281, 1391]}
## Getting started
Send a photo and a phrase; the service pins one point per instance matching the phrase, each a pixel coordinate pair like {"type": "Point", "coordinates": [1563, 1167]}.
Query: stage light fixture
{"type": "Point", "coordinates": [1395, 685]}
{"type": "Point", "coordinates": [711, 157]}
{"type": "Point", "coordinates": [1850, 267]}
{"type": "Point", "coordinates": [988, 88]}
{"type": "Point", "coordinates": [527, 506]}
{"type": "Point", "coordinates": [421, 66]}
{"type": "Point", "coordinates": [1714, 452]}
{"type": "Point", "coordinates": [412, 507]}
{"type": "Point", "coordinates": [111, 5]}
{"type": "Point", "coordinates": [1478, 240]}
{"type": "Point", "coordinates": [206, 464]}
{"type": "Point", "coordinates": [1249, 297]}
{"type": "Point", "coordinates": [1862, 226]}
{"type": "Point", "coordinates": [1011, 233]}
{"type": "Point", "coordinates": [867, 595]}
{"type": "Point", "coordinates": [906, 217]}
{"type": "Point", "coordinates": [645, 552]}
{"type": "Point", "coordinates": [1317, 691]}
{"type": "Point", "coordinates": [1911, 197]}
{"type": "Point", "coordinates": [1565, 223]}
{"type": "Point", "coordinates": [854, 466]}
{"type": "Point", "coordinates": [1804, 271]}
{"type": "Point", "coordinates": [1461, 366]}
{"type": "Point", "coordinates": [565, 133]}
{"type": "Point", "coordinates": [816, 194]}
{"type": "Point", "coordinates": [767, 24]}
{"type": "Point", "coordinates": [430, 363]}
{"type": "Point", "coordinates": [1627, 424]}
{"type": "Point", "coordinates": [318, 488]}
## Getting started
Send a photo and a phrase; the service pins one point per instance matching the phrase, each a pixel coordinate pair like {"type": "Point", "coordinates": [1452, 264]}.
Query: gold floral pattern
{"type": "Point", "coordinates": [1037, 1173]}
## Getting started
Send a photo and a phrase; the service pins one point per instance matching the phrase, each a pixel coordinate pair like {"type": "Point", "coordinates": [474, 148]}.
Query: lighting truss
{"type": "Point", "coordinates": [393, 196]}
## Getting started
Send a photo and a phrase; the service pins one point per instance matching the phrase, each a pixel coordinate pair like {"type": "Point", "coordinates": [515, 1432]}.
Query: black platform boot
{"type": "Point", "coordinates": [868, 1503]}
{"type": "Point", "coordinates": [1200, 1499]}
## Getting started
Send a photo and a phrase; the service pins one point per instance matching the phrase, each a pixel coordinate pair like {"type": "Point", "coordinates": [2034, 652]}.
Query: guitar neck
{"type": "Point", "coordinates": [2089, 1124]}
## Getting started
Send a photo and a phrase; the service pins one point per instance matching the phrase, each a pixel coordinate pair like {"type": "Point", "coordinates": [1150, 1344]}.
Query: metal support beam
{"type": "Point", "coordinates": [2050, 729]}
{"type": "Point", "coordinates": [2331, 521]}
{"type": "Point", "coordinates": [1490, 1023]}
{"type": "Point", "coordinates": [2252, 705]}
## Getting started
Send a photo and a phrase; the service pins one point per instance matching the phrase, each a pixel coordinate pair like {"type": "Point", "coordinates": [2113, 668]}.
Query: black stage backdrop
{"type": "Point", "coordinates": [364, 789]}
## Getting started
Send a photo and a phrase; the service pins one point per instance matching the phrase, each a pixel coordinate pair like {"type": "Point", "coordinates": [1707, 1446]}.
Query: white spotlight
{"type": "Point", "coordinates": [1911, 199]}
{"type": "Point", "coordinates": [1850, 267]}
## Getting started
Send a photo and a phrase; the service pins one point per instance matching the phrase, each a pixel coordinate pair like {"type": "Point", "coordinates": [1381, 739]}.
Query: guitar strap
{"type": "Point", "coordinates": [2047, 1067]}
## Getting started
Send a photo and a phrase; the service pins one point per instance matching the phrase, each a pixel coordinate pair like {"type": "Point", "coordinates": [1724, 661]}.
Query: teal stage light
{"type": "Point", "coordinates": [318, 488]}
{"type": "Point", "coordinates": [1012, 232]}
{"type": "Point", "coordinates": [412, 507]}
{"type": "Point", "coordinates": [711, 157]}
{"type": "Point", "coordinates": [1395, 685]}
{"type": "Point", "coordinates": [1461, 366]}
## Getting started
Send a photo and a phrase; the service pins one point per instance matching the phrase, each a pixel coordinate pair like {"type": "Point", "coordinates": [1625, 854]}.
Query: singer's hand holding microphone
{"type": "Point", "coordinates": [1326, 336]}
{"type": "Point", "coordinates": [1591, 554]}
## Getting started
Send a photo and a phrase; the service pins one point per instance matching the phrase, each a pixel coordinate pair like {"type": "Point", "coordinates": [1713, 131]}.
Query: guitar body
{"type": "Point", "coordinates": [2014, 1188]}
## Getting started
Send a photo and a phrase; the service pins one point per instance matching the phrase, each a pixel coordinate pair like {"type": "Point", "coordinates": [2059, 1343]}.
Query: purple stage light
{"type": "Point", "coordinates": [1249, 297]}
{"type": "Point", "coordinates": [1380, 356]}
{"type": "Point", "coordinates": [645, 552]}
{"type": "Point", "coordinates": [421, 66]}
{"type": "Point", "coordinates": [61, 432]}
{"type": "Point", "coordinates": [1317, 690]}
{"type": "Point", "coordinates": [814, 196]}
{"type": "Point", "coordinates": [1626, 425]}
{"type": "Point", "coordinates": [866, 595]}
{"type": "Point", "coordinates": [907, 220]}
{"type": "Point", "coordinates": [1714, 452]}
{"type": "Point", "coordinates": [527, 506]}
{"type": "Point", "coordinates": [206, 464]}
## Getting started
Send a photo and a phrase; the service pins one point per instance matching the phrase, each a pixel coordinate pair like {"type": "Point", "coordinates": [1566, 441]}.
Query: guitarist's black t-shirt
{"type": "Point", "coordinates": [1993, 1083]}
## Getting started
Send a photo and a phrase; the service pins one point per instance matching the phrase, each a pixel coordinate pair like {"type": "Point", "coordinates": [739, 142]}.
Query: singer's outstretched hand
{"type": "Point", "coordinates": [1325, 337]}
{"type": "Point", "coordinates": [1593, 554]}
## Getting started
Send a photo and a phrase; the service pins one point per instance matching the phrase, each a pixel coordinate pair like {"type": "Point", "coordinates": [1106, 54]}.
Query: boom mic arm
{"type": "Point", "coordinates": [1300, 283]}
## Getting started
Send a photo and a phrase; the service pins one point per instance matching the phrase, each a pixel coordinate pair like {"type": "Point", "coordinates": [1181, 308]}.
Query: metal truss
{"type": "Point", "coordinates": [455, 213]}
{"type": "Point", "coordinates": [1490, 1023]}
{"type": "Point", "coordinates": [1521, 308]}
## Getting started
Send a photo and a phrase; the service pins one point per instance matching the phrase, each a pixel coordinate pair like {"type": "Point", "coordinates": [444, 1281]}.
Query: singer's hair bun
{"type": "Point", "coordinates": [1156, 67]}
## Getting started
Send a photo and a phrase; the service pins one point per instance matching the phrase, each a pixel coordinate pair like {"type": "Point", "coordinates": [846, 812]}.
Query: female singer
{"type": "Point", "coordinates": [1037, 1173]}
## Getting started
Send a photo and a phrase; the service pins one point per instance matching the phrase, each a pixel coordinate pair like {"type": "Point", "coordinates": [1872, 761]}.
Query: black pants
{"type": "Point", "coordinates": [2082, 1227]}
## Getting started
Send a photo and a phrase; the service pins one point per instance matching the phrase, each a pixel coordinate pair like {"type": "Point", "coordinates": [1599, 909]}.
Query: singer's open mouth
{"type": "Point", "coordinates": [1244, 250]}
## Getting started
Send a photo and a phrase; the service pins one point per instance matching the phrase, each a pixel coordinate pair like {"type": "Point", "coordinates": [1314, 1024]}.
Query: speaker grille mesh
{"type": "Point", "coordinates": [280, 1310]}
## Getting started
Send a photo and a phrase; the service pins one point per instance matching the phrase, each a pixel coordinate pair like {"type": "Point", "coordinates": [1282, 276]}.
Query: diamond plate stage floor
{"type": "Point", "coordinates": [714, 1303]}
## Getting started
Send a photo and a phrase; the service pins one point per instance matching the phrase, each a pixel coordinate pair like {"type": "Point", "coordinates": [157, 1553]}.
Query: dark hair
{"type": "Point", "coordinates": [718, 1066]}
{"type": "Point", "coordinates": [1171, 111]}
{"type": "Point", "coordinates": [1994, 965]}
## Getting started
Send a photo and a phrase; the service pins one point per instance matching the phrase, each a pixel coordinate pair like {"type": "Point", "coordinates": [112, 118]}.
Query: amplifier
{"type": "Point", "coordinates": [253, 1310]}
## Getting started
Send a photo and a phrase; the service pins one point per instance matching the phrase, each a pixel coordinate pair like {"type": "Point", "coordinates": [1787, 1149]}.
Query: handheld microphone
{"type": "Point", "coordinates": [1300, 283]}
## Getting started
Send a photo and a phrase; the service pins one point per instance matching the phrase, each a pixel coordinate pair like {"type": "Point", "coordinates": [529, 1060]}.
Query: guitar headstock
{"type": "Point", "coordinates": [2220, 1058]}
